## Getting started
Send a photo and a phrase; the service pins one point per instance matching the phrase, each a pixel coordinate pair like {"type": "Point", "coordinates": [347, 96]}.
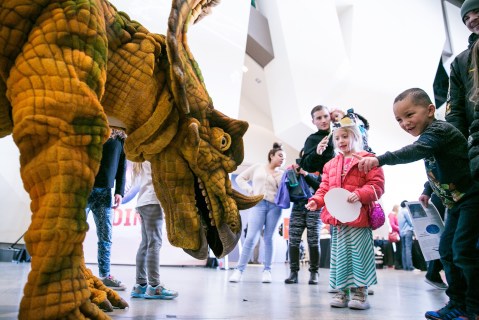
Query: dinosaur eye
{"type": "Point", "coordinates": [220, 139]}
{"type": "Point", "coordinates": [225, 142]}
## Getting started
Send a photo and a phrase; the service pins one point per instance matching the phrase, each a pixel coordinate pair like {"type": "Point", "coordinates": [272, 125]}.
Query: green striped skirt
{"type": "Point", "coordinates": [352, 258]}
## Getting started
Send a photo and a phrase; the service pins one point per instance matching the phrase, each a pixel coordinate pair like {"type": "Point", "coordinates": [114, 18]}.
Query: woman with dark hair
{"type": "Point", "coordinates": [265, 179]}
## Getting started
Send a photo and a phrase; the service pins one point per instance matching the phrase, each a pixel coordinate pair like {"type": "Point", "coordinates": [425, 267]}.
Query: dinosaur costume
{"type": "Point", "coordinates": [64, 67]}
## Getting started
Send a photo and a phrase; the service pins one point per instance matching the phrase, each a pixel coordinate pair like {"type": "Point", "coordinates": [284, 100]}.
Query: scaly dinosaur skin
{"type": "Point", "coordinates": [65, 66]}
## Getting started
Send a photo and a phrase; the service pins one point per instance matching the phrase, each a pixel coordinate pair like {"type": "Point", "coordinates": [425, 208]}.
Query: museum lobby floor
{"type": "Point", "coordinates": [205, 293]}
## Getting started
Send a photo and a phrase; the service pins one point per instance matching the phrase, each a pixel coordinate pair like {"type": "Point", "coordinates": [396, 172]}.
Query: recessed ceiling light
{"type": "Point", "coordinates": [245, 69]}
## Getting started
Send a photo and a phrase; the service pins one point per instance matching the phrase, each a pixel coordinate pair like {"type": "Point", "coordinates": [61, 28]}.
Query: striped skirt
{"type": "Point", "coordinates": [352, 258]}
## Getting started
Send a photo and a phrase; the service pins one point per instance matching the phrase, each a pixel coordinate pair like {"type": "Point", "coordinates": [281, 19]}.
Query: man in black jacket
{"type": "Point", "coordinates": [318, 148]}
{"type": "Point", "coordinates": [460, 110]}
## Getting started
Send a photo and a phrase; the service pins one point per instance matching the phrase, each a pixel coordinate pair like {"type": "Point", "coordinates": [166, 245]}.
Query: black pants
{"type": "Point", "coordinates": [298, 221]}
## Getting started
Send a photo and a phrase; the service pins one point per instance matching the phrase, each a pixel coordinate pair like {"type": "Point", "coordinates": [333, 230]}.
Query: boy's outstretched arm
{"type": "Point", "coordinates": [366, 163]}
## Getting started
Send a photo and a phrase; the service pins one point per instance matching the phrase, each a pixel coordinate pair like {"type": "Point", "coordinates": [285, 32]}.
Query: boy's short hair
{"type": "Point", "coordinates": [318, 108]}
{"type": "Point", "coordinates": [418, 96]}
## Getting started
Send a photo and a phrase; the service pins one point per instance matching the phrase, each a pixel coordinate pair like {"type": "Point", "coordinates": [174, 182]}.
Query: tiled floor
{"type": "Point", "coordinates": [205, 293]}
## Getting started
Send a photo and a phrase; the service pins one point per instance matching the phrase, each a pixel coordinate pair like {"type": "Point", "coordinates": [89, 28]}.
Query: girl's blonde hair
{"type": "Point", "coordinates": [136, 170]}
{"type": "Point", "coordinates": [355, 142]}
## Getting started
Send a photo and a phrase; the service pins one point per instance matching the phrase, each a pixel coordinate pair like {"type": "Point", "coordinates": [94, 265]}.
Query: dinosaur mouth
{"type": "Point", "coordinates": [220, 221]}
{"type": "Point", "coordinates": [203, 205]}
{"type": "Point", "coordinates": [221, 240]}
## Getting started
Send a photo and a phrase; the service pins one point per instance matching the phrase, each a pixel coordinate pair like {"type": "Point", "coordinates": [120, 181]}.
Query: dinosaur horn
{"type": "Point", "coordinates": [234, 127]}
{"type": "Point", "coordinates": [184, 12]}
{"type": "Point", "coordinates": [244, 202]}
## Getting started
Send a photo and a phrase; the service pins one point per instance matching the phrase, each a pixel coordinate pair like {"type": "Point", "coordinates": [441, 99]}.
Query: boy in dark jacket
{"type": "Point", "coordinates": [444, 150]}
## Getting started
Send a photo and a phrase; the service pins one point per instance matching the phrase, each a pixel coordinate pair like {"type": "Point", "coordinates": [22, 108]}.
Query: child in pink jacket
{"type": "Point", "coordinates": [353, 266]}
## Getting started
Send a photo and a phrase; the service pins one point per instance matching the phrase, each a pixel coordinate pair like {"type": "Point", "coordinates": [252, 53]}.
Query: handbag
{"type": "Point", "coordinates": [300, 190]}
{"type": "Point", "coordinates": [376, 213]}
{"type": "Point", "coordinates": [393, 236]}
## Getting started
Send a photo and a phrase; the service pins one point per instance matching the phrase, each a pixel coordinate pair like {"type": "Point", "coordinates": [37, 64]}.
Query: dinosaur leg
{"type": "Point", "coordinates": [58, 172]}
{"type": "Point", "coordinates": [59, 127]}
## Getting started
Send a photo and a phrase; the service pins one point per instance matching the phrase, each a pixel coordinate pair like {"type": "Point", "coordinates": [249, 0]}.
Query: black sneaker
{"type": "Point", "coordinates": [448, 312]}
{"type": "Point", "coordinates": [436, 284]}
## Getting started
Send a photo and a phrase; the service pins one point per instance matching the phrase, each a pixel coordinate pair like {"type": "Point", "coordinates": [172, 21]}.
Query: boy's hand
{"type": "Point", "coordinates": [366, 163]}
{"type": "Point", "coordinates": [311, 206]}
{"type": "Point", "coordinates": [424, 200]}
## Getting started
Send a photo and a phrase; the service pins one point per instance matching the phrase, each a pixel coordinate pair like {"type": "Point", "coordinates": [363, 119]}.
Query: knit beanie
{"type": "Point", "coordinates": [467, 6]}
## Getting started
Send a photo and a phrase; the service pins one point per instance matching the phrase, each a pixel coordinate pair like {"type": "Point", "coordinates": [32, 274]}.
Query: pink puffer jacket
{"type": "Point", "coordinates": [354, 181]}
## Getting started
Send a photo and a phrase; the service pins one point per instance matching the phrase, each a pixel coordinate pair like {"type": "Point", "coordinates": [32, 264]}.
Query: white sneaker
{"type": "Point", "coordinates": [236, 276]}
{"type": "Point", "coordinates": [359, 299]}
{"type": "Point", "coordinates": [340, 299]}
{"type": "Point", "coordinates": [266, 276]}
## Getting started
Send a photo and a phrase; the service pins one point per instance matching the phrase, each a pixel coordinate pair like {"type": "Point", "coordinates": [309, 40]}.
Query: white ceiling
{"type": "Point", "coordinates": [253, 85]}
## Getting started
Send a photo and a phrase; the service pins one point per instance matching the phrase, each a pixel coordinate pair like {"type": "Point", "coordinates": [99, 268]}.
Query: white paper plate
{"type": "Point", "coordinates": [338, 206]}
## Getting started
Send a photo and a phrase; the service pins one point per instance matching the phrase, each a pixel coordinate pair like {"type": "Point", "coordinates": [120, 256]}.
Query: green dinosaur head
{"type": "Point", "coordinates": [192, 174]}
{"type": "Point", "coordinates": [192, 171]}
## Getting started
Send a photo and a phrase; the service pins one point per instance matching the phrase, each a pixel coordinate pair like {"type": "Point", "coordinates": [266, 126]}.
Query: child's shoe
{"type": "Point", "coordinates": [359, 298]}
{"type": "Point", "coordinates": [160, 292]}
{"type": "Point", "coordinates": [138, 291]}
{"type": "Point", "coordinates": [340, 299]}
{"type": "Point", "coordinates": [113, 283]}
{"type": "Point", "coordinates": [449, 311]}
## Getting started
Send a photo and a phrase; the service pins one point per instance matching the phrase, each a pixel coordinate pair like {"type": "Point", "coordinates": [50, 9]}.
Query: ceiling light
{"type": "Point", "coordinates": [245, 69]}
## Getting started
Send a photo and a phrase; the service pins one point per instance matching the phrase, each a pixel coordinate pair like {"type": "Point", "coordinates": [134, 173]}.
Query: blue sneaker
{"type": "Point", "coordinates": [449, 312]}
{"type": "Point", "coordinates": [138, 291]}
{"type": "Point", "coordinates": [160, 292]}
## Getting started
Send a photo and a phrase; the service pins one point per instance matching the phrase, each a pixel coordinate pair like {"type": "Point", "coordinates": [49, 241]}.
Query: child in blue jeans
{"type": "Point", "coordinates": [444, 150]}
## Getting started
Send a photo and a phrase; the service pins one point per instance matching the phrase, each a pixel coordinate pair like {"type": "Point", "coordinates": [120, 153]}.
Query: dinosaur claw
{"type": "Point", "coordinates": [105, 306]}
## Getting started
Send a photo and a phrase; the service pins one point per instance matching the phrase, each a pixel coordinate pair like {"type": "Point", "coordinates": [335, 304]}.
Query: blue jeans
{"type": "Point", "coordinates": [406, 254]}
{"type": "Point", "coordinates": [99, 202]}
{"type": "Point", "coordinates": [459, 252]}
{"type": "Point", "coordinates": [265, 214]}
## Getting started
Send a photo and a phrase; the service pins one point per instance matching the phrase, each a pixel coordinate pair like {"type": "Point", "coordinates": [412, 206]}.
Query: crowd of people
{"type": "Point", "coordinates": [338, 155]}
